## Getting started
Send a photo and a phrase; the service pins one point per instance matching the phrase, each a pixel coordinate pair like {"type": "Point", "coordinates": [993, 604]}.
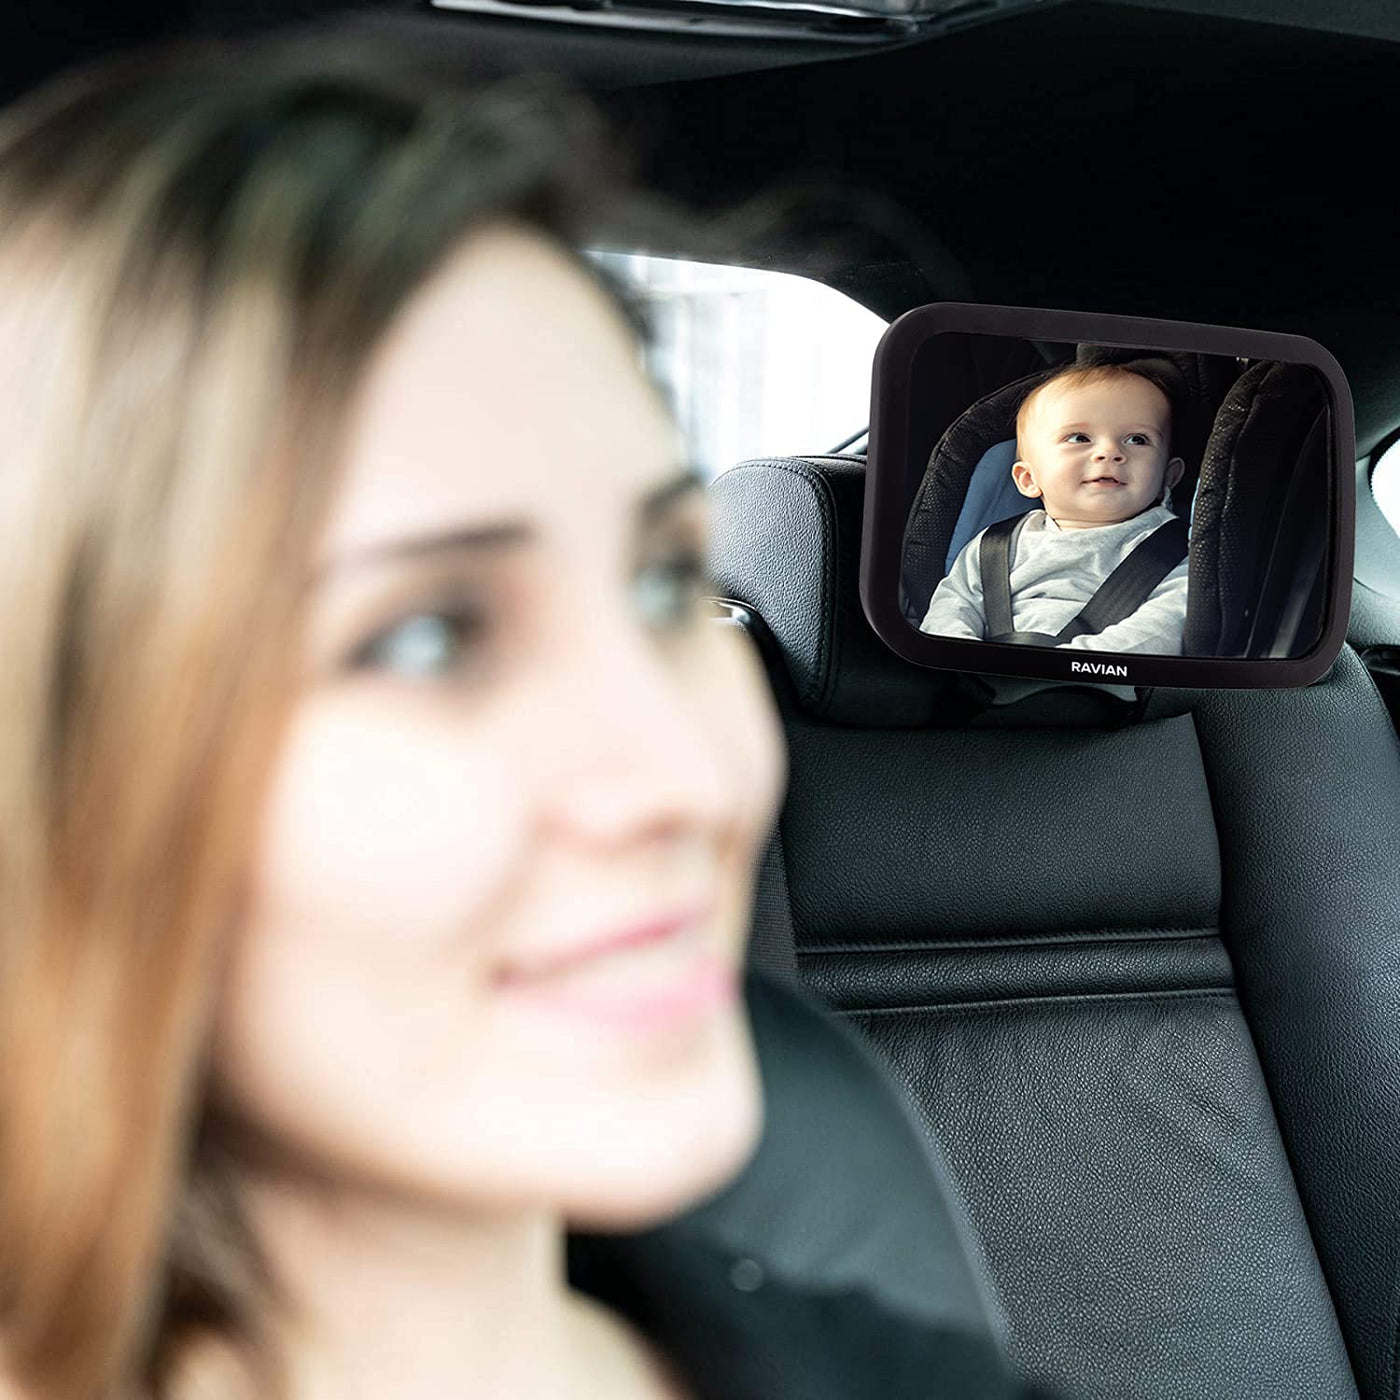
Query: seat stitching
{"type": "Point", "coordinates": [1087, 936]}
{"type": "Point", "coordinates": [1174, 994]}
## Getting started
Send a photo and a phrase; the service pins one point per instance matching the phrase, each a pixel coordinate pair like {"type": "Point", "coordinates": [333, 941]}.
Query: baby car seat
{"type": "Point", "coordinates": [1258, 552]}
{"type": "Point", "coordinates": [967, 484]}
{"type": "Point", "coordinates": [1255, 437]}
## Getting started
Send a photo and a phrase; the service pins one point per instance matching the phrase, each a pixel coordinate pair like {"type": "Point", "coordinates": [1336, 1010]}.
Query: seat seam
{"type": "Point", "coordinates": [1089, 937]}
{"type": "Point", "coordinates": [1075, 998]}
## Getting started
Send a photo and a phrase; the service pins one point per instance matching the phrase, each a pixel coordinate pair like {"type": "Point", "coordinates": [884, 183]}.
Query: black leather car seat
{"type": "Point", "coordinates": [840, 1239]}
{"type": "Point", "coordinates": [1138, 970]}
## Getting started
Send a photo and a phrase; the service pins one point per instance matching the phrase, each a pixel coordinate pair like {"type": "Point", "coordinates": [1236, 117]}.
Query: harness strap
{"type": "Point", "coordinates": [1120, 595]}
{"type": "Point", "coordinates": [994, 560]}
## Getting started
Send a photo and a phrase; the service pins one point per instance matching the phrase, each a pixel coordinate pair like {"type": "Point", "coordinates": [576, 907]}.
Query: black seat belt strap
{"type": "Point", "coordinates": [994, 563]}
{"type": "Point", "coordinates": [1118, 597]}
{"type": "Point", "coordinates": [1132, 583]}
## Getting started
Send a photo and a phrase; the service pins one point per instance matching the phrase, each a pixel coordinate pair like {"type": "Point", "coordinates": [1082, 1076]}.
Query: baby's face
{"type": "Point", "coordinates": [1096, 454]}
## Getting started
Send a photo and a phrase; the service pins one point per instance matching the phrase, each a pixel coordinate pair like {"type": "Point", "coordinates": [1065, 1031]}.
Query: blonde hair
{"type": "Point", "coordinates": [1077, 376]}
{"type": "Point", "coordinates": [198, 250]}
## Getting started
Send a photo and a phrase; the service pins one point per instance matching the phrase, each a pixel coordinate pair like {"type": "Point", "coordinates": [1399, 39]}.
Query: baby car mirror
{"type": "Point", "coordinates": [1067, 496]}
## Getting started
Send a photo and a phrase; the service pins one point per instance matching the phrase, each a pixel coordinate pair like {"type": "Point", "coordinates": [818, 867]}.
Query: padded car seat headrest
{"type": "Point", "coordinates": [785, 546]}
{"type": "Point", "coordinates": [966, 485]}
{"type": "Point", "coordinates": [970, 451]}
{"type": "Point", "coordinates": [1257, 557]}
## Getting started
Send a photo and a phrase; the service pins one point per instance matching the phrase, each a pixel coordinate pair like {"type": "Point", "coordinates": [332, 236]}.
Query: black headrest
{"type": "Point", "coordinates": [939, 501]}
{"type": "Point", "coordinates": [1257, 549]}
{"type": "Point", "coordinates": [786, 546]}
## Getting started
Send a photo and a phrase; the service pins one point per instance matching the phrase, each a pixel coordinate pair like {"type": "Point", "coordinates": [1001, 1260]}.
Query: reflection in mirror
{"type": "Point", "coordinates": [1116, 500]}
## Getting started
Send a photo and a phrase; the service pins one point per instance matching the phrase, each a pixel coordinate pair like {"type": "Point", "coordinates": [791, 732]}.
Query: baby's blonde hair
{"type": "Point", "coordinates": [1076, 376]}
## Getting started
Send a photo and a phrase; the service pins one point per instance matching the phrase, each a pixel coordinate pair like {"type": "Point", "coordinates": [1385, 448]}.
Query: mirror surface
{"type": "Point", "coordinates": [1102, 500]}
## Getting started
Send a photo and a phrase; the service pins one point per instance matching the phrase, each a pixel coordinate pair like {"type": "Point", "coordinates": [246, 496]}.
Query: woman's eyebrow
{"type": "Point", "coordinates": [500, 534]}
{"type": "Point", "coordinates": [497, 535]}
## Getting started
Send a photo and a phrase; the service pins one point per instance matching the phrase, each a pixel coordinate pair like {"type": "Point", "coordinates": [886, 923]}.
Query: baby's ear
{"type": "Point", "coordinates": [1176, 469]}
{"type": "Point", "coordinates": [1025, 482]}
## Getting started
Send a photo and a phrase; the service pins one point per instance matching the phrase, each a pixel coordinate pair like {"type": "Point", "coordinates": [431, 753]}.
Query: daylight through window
{"type": "Point", "coordinates": [755, 363]}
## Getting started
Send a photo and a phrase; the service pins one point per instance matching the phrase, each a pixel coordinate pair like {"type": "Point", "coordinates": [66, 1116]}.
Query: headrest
{"type": "Point", "coordinates": [785, 545]}
{"type": "Point", "coordinates": [942, 494]}
{"type": "Point", "coordinates": [1256, 561]}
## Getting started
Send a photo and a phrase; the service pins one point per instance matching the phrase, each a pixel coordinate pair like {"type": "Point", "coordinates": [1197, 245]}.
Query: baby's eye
{"type": "Point", "coordinates": [669, 590]}
{"type": "Point", "coordinates": [425, 645]}
{"type": "Point", "coordinates": [1077, 437]}
{"type": "Point", "coordinates": [1139, 440]}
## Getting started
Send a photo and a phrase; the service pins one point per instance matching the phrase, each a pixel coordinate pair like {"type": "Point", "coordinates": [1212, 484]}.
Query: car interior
{"type": "Point", "coordinates": [1133, 958]}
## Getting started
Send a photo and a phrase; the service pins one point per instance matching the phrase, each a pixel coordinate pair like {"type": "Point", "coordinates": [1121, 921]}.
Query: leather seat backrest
{"type": "Point", "coordinates": [842, 1198]}
{"type": "Point", "coordinates": [1142, 985]}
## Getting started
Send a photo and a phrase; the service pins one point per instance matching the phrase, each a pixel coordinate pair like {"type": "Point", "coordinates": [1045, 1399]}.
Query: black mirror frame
{"type": "Point", "coordinates": [883, 526]}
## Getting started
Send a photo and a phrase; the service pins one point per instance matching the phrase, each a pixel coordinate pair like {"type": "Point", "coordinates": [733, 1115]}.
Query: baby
{"type": "Point", "coordinates": [1093, 446]}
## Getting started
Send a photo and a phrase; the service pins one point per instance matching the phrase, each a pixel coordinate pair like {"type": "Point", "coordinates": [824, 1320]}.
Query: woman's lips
{"type": "Point", "coordinates": [551, 962]}
{"type": "Point", "coordinates": [654, 975]}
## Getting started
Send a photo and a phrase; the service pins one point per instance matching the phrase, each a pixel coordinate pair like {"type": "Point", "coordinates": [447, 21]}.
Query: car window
{"type": "Point", "coordinates": [1385, 484]}
{"type": "Point", "coordinates": [755, 363]}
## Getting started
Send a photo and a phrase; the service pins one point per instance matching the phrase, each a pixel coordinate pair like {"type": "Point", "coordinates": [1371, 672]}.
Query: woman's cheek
{"type": "Point", "coordinates": [386, 830]}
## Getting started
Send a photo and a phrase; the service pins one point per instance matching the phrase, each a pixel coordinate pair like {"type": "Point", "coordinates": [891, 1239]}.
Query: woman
{"type": "Point", "coordinates": [380, 810]}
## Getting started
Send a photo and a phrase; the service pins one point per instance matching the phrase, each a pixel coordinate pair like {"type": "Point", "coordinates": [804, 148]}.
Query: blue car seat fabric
{"type": "Point", "coordinates": [1140, 988]}
{"type": "Point", "coordinates": [991, 496]}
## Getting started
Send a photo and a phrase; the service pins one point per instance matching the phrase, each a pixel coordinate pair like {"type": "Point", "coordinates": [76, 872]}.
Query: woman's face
{"type": "Point", "coordinates": [503, 877]}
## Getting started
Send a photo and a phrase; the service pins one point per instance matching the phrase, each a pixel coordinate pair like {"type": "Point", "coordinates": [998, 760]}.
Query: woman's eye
{"type": "Point", "coordinates": [425, 646]}
{"type": "Point", "coordinates": [669, 590]}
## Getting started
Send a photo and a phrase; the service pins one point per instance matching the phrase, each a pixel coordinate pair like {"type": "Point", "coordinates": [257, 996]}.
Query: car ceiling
{"type": "Point", "coordinates": [1166, 158]}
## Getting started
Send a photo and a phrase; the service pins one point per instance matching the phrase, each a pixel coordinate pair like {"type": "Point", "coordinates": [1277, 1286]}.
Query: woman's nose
{"type": "Point", "coordinates": [630, 757]}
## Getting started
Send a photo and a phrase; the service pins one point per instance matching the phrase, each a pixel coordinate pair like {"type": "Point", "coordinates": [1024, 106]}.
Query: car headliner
{"type": "Point", "coordinates": [1115, 157]}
